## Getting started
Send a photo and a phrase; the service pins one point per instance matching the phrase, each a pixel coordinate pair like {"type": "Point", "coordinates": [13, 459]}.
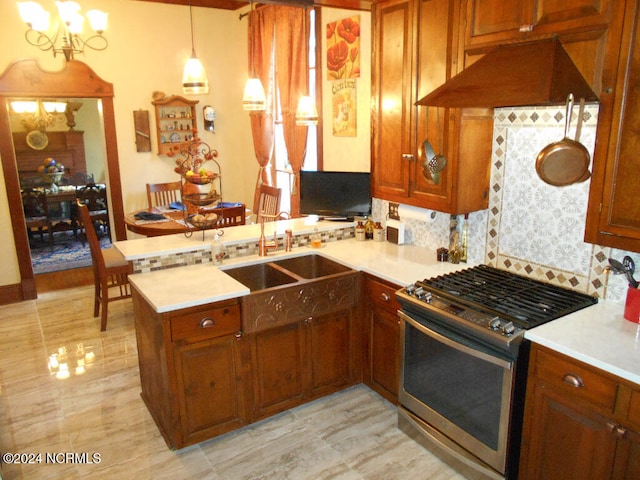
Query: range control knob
{"type": "Point", "coordinates": [494, 323]}
{"type": "Point", "coordinates": [508, 328]}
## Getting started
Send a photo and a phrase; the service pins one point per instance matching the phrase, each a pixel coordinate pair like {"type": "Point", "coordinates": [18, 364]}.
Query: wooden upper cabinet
{"type": "Point", "coordinates": [491, 22]}
{"type": "Point", "coordinates": [393, 92]}
{"type": "Point", "coordinates": [416, 49]}
{"type": "Point", "coordinates": [613, 216]}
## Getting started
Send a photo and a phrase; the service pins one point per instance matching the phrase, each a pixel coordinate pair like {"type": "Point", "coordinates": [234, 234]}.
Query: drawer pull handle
{"type": "Point", "coordinates": [207, 322]}
{"type": "Point", "coordinates": [385, 297]}
{"type": "Point", "coordinates": [573, 380]}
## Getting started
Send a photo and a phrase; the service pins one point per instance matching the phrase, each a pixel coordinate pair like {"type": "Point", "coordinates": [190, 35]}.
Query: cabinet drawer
{"type": "Point", "coordinates": [382, 295]}
{"type": "Point", "coordinates": [578, 381]}
{"type": "Point", "coordinates": [206, 323]}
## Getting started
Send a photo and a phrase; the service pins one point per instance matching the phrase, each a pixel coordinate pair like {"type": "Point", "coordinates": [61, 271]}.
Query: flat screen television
{"type": "Point", "coordinates": [335, 195]}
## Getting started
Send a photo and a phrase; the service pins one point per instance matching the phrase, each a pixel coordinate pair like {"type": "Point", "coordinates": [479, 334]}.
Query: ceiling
{"type": "Point", "coordinates": [237, 4]}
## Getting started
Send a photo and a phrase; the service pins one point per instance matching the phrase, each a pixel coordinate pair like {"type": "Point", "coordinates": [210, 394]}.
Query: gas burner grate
{"type": "Point", "coordinates": [525, 301]}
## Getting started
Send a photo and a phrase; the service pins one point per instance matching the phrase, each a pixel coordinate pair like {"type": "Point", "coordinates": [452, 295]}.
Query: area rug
{"type": "Point", "coordinates": [67, 252]}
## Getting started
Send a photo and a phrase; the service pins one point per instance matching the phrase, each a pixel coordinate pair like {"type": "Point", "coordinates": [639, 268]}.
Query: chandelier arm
{"type": "Point", "coordinates": [40, 40]}
{"type": "Point", "coordinates": [94, 42]}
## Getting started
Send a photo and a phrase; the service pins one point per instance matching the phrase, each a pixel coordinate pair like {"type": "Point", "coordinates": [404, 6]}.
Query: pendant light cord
{"type": "Point", "coordinates": [193, 48]}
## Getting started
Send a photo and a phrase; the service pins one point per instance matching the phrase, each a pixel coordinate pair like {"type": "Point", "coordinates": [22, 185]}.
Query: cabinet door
{"type": "Point", "coordinates": [328, 347]}
{"type": "Point", "coordinates": [565, 440]}
{"type": "Point", "coordinates": [613, 217]}
{"type": "Point", "coordinates": [498, 21]}
{"type": "Point", "coordinates": [384, 354]}
{"type": "Point", "coordinates": [393, 94]}
{"type": "Point", "coordinates": [627, 460]}
{"type": "Point", "coordinates": [495, 20]}
{"type": "Point", "coordinates": [212, 400]}
{"type": "Point", "coordinates": [277, 360]}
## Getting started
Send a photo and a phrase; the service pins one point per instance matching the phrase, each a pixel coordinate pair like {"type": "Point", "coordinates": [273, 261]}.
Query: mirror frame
{"type": "Point", "coordinates": [25, 78]}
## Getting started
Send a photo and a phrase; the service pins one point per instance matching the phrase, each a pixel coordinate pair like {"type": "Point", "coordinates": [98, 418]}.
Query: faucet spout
{"type": "Point", "coordinates": [264, 245]}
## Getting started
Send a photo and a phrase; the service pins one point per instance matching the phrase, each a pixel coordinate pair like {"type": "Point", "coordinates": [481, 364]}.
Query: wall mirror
{"type": "Point", "coordinates": [76, 81]}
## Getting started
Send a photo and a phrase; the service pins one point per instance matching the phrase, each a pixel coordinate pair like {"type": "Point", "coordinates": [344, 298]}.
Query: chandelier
{"type": "Point", "coordinates": [68, 27]}
{"type": "Point", "coordinates": [38, 115]}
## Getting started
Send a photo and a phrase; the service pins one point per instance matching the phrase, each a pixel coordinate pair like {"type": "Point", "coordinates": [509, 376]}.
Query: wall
{"type": "Point", "coordinates": [530, 227]}
{"type": "Point", "coordinates": [352, 153]}
{"type": "Point", "coordinates": [148, 46]}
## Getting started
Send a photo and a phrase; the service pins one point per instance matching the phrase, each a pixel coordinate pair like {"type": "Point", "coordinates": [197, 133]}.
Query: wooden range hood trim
{"type": "Point", "coordinates": [516, 75]}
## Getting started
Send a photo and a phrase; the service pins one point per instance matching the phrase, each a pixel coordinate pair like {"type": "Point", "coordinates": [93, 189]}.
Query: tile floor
{"type": "Point", "coordinates": [98, 410]}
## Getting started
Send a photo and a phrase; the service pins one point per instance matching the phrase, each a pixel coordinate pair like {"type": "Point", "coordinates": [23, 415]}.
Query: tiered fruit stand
{"type": "Point", "coordinates": [198, 168]}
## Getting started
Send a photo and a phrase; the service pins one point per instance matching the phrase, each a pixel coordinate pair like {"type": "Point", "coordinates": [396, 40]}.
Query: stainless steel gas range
{"type": "Point", "coordinates": [464, 363]}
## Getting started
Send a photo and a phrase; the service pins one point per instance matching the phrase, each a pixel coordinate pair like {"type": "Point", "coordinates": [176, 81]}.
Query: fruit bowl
{"type": "Point", "coordinates": [203, 221]}
{"type": "Point", "coordinates": [201, 199]}
{"type": "Point", "coordinates": [200, 179]}
{"type": "Point", "coordinates": [51, 178]}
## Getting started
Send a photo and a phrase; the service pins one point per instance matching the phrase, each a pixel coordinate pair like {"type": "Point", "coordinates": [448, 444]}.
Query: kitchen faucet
{"type": "Point", "coordinates": [263, 245]}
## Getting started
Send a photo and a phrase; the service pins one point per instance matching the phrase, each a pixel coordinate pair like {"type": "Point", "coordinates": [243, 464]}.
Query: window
{"type": "Point", "coordinates": [284, 177]}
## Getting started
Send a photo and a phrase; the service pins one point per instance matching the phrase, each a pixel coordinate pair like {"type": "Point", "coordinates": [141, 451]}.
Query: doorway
{"type": "Point", "coordinates": [25, 79]}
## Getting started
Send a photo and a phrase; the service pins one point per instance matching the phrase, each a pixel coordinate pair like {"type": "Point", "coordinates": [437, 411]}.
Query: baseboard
{"type": "Point", "coordinates": [10, 294]}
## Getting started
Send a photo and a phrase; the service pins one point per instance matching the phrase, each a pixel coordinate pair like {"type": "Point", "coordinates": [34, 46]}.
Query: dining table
{"type": "Point", "coordinates": [173, 220]}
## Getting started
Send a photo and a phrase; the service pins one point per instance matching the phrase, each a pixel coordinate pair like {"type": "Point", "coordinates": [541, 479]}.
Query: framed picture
{"type": "Point", "coordinates": [344, 96]}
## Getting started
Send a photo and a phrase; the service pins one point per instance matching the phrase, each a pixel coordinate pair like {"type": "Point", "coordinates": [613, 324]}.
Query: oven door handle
{"type": "Point", "coordinates": [456, 345]}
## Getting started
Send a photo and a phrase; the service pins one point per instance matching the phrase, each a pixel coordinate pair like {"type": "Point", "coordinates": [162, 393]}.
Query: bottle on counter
{"type": "Point", "coordinates": [217, 249]}
{"type": "Point", "coordinates": [368, 229]}
{"type": "Point", "coordinates": [360, 236]}
{"type": "Point", "coordinates": [316, 239]}
{"type": "Point", "coordinates": [378, 232]}
{"type": "Point", "coordinates": [464, 241]}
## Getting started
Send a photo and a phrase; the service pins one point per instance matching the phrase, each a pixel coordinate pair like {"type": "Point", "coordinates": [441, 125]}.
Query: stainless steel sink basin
{"type": "Point", "coordinates": [311, 266]}
{"type": "Point", "coordinates": [260, 276]}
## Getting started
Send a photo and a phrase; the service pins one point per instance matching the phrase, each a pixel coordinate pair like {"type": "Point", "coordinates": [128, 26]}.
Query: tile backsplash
{"type": "Point", "coordinates": [530, 228]}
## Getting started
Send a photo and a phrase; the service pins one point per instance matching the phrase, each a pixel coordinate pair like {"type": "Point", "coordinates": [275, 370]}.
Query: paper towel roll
{"type": "Point", "coordinates": [408, 212]}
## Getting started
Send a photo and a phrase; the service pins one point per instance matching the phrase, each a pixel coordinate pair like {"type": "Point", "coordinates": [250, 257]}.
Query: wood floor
{"type": "Point", "coordinates": [94, 412]}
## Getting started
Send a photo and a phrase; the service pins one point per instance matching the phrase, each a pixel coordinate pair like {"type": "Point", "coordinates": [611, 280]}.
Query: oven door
{"type": "Point", "coordinates": [457, 386]}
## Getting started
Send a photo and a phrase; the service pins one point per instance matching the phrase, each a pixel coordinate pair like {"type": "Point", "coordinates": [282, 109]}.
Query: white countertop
{"type": "Point", "coordinates": [598, 335]}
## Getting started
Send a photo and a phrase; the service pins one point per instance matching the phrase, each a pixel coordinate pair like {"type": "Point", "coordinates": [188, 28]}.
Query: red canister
{"type": "Point", "coordinates": [632, 305]}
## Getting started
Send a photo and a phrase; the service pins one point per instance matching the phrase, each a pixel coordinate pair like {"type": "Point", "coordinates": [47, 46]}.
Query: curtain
{"type": "Point", "coordinates": [283, 30]}
{"type": "Point", "coordinates": [261, 38]}
{"type": "Point", "coordinates": [292, 76]}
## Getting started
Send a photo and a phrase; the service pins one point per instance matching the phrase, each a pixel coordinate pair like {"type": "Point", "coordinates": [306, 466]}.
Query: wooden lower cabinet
{"type": "Point", "coordinates": [382, 338]}
{"type": "Point", "coordinates": [193, 369]}
{"type": "Point", "coordinates": [580, 422]}
{"type": "Point", "coordinates": [211, 397]}
{"type": "Point", "coordinates": [307, 359]}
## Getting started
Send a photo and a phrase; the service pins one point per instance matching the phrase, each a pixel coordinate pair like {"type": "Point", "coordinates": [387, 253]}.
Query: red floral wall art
{"type": "Point", "coordinates": [343, 48]}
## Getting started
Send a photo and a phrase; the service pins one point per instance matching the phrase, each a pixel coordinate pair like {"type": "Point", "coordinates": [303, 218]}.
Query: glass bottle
{"type": "Point", "coordinates": [368, 229]}
{"type": "Point", "coordinates": [378, 232]}
{"type": "Point", "coordinates": [464, 242]}
{"type": "Point", "coordinates": [360, 236]}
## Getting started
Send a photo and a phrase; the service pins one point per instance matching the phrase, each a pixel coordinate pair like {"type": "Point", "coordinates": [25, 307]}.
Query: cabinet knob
{"type": "Point", "coordinates": [207, 322]}
{"type": "Point", "coordinates": [526, 28]}
{"type": "Point", "coordinates": [617, 430]}
{"type": "Point", "coordinates": [408, 156]}
{"type": "Point", "coordinates": [573, 380]}
{"type": "Point", "coordinates": [384, 296]}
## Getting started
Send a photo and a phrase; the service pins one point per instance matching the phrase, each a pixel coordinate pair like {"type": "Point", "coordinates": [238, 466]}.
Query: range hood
{"type": "Point", "coordinates": [523, 74]}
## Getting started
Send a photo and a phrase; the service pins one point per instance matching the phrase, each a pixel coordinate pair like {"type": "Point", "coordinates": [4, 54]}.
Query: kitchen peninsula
{"type": "Point", "coordinates": [165, 294]}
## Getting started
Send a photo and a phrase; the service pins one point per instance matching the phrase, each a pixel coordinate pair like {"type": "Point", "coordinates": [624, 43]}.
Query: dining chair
{"type": "Point", "coordinates": [110, 270]}
{"type": "Point", "coordinates": [159, 194]}
{"type": "Point", "coordinates": [36, 212]}
{"type": "Point", "coordinates": [268, 203]}
{"type": "Point", "coordinates": [95, 198]}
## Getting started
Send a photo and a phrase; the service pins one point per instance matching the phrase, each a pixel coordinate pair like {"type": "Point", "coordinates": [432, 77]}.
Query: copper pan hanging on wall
{"type": "Point", "coordinates": [564, 162]}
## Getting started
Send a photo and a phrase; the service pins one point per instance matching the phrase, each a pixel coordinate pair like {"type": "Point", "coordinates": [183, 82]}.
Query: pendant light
{"type": "Point", "coordinates": [306, 113]}
{"type": "Point", "coordinates": [254, 98]}
{"type": "Point", "coordinates": [194, 78]}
